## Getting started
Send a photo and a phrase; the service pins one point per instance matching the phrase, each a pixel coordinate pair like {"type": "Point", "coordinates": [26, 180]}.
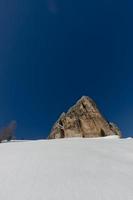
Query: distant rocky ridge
{"type": "Point", "coordinates": [83, 120]}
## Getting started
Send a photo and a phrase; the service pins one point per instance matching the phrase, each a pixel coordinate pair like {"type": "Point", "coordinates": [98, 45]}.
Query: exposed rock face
{"type": "Point", "coordinates": [83, 120]}
{"type": "Point", "coordinates": [7, 133]}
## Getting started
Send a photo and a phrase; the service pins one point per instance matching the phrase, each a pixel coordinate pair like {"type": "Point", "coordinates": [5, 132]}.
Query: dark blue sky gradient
{"type": "Point", "coordinates": [53, 52]}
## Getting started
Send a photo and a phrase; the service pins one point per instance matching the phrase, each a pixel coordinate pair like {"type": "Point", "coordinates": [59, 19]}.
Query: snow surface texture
{"type": "Point", "coordinates": [67, 169]}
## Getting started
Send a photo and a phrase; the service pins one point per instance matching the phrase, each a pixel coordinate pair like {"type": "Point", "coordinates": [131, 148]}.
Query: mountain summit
{"type": "Point", "coordinates": [83, 120]}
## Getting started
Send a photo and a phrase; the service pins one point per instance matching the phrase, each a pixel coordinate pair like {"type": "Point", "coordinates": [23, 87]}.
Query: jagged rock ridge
{"type": "Point", "coordinates": [83, 120]}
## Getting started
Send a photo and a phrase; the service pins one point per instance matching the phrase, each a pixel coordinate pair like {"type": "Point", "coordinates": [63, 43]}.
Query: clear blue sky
{"type": "Point", "coordinates": [52, 52]}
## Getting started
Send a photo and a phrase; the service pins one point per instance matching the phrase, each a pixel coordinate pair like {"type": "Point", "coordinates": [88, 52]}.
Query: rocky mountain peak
{"type": "Point", "coordinates": [83, 120]}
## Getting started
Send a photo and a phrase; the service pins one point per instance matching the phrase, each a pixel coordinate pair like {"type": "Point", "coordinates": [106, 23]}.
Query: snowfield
{"type": "Point", "coordinates": [67, 169]}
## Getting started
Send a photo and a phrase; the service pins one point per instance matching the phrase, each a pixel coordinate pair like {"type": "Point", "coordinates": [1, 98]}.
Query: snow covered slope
{"type": "Point", "coordinates": [67, 169]}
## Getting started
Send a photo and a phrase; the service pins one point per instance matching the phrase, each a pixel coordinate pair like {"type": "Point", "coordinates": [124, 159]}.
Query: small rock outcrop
{"type": "Point", "coordinates": [83, 120]}
{"type": "Point", "coordinates": [7, 133]}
